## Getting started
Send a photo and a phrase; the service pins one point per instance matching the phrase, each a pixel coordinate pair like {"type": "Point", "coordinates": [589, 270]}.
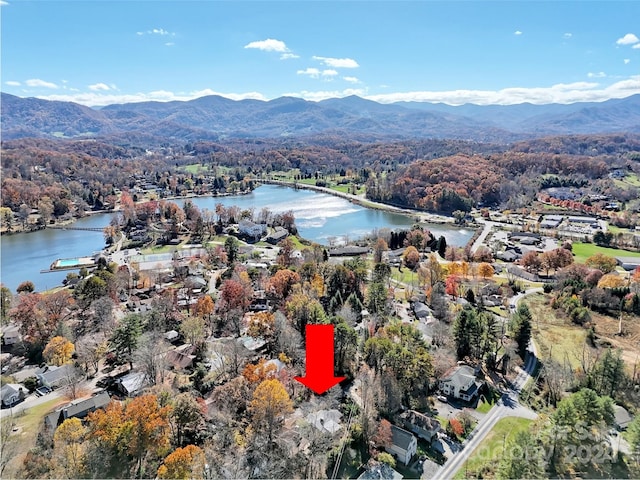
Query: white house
{"type": "Point", "coordinates": [460, 382]}
{"type": "Point", "coordinates": [403, 444]}
{"type": "Point", "coordinates": [11, 335]}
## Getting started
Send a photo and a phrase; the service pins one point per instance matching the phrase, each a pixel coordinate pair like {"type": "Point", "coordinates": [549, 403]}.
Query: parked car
{"type": "Point", "coordinates": [442, 398]}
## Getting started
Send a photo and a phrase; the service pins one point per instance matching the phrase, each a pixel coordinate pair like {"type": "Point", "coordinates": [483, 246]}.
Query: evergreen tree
{"type": "Point", "coordinates": [523, 458]}
{"type": "Point", "coordinates": [521, 328]}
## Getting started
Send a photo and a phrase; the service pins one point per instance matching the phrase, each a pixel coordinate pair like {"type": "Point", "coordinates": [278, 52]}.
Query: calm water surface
{"type": "Point", "coordinates": [320, 217]}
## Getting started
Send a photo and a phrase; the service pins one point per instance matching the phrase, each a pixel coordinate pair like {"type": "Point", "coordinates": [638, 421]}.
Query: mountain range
{"type": "Point", "coordinates": [216, 118]}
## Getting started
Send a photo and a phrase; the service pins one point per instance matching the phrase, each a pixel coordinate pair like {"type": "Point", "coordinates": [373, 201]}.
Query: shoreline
{"type": "Point", "coordinates": [421, 216]}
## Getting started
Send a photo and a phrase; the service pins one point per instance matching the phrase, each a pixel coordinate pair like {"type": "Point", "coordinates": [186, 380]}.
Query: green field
{"type": "Point", "coordinates": [488, 453]}
{"type": "Point", "coordinates": [582, 251]}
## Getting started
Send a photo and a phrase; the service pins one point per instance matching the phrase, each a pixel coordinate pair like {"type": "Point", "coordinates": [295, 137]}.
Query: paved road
{"type": "Point", "coordinates": [507, 406]}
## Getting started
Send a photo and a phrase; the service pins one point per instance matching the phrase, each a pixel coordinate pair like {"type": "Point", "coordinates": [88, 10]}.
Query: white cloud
{"type": "Point", "coordinates": [596, 75]}
{"type": "Point", "coordinates": [337, 62]}
{"type": "Point", "coordinates": [517, 32]}
{"type": "Point", "coordinates": [636, 46]}
{"type": "Point", "coordinates": [269, 45]}
{"type": "Point", "coordinates": [12, 83]}
{"type": "Point", "coordinates": [628, 39]}
{"type": "Point", "coordinates": [568, 35]}
{"type": "Point", "coordinates": [156, 31]}
{"type": "Point", "coordinates": [169, 44]}
{"type": "Point", "coordinates": [288, 56]}
{"type": "Point", "coordinates": [3, 3]}
{"type": "Point", "coordinates": [351, 79]}
{"type": "Point", "coordinates": [99, 86]}
{"type": "Point", "coordinates": [310, 71]}
{"type": "Point", "coordinates": [329, 73]}
{"type": "Point", "coordinates": [560, 93]}
{"type": "Point", "coordinates": [99, 99]}
{"type": "Point", "coordinates": [626, 61]}
{"type": "Point", "coordinates": [36, 82]}
{"type": "Point", "coordinates": [324, 95]}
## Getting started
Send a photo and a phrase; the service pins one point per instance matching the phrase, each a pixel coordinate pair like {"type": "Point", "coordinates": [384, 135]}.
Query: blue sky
{"type": "Point", "coordinates": [99, 52]}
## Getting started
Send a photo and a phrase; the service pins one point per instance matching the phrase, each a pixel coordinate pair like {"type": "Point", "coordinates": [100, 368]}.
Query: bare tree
{"type": "Point", "coordinates": [151, 356]}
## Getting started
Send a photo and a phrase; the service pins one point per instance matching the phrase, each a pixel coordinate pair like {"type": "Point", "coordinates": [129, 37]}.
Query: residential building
{"type": "Point", "coordinates": [460, 382]}
{"type": "Point", "coordinates": [133, 383]}
{"type": "Point", "coordinates": [403, 444]}
{"type": "Point", "coordinates": [422, 425]}
{"type": "Point", "coordinates": [54, 377]}
{"type": "Point", "coordinates": [12, 393]}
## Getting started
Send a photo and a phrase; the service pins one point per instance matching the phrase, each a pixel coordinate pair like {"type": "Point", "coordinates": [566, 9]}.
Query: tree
{"type": "Point", "coordinates": [193, 330]}
{"type": "Point", "coordinates": [138, 428]}
{"type": "Point", "coordinates": [411, 257]}
{"type": "Point", "coordinates": [633, 435]}
{"type": "Point", "coordinates": [302, 309]}
{"type": "Point", "coordinates": [231, 247]}
{"type": "Point", "coordinates": [58, 351]}
{"type": "Point", "coordinates": [282, 282]}
{"type": "Point", "coordinates": [531, 261]}
{"type": "Point", "coordinates": [68, 443]}
{"type": "Point", "coordinates": [383, 435]}
{"type": "Point", "coordinates": [377, 299]}
{"type": "Point", "coordinates": [604, 263]}
{"type": "Point", "coordinates": [268, 406]}
{"type": "Point", "coordinates": [611, 280]}
{"type": "Point", "coordinates": [204, 308]}
{"type": "Point", "coordinates": [26, 287]}
{"type": "Point", "coordinates": [187, 416]}
{"type": "Point", "coordinates": [183, 464]}
{"type": "Point", "coordinates": [524, 458]}
{"type": "Point", "coordinates": [126, 336]}
{"type": "Point", "coordinates": [6, 298]}
{"type": "Point", "coordinates": [485, 270]}
{"type": "Point", "coordinates": [379, 249]}
{"type": "Point", "coordinates": [521, 328]}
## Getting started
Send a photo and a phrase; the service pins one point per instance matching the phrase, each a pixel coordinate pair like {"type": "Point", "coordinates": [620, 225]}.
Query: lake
{"type": "Point", "coordinates": [320, 217]}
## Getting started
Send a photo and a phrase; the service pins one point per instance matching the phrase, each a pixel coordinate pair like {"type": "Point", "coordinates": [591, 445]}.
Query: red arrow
{"type": "Point", "coordinates": [319, 353]}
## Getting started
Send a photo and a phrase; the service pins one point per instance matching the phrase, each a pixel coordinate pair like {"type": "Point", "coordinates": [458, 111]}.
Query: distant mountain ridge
{"type": "Point", "coordinates": [217, 118]}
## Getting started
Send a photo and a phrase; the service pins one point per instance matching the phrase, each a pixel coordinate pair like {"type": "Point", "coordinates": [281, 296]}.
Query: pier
{"type": "Point", "coordinates": [86, 229]}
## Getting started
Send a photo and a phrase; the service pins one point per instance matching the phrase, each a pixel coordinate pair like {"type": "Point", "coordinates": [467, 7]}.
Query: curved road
{"type": "Point", "coordinates": [507, 406]}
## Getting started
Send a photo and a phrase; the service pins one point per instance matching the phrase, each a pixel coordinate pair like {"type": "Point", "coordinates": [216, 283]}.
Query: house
{"type": "Point", "coordinates": [423, 426]}
{"type": "Point", "coordinates": [460, 382]}
{"type": "Point", "coordinates": [12, 393]}
{"type": "Point", "coordinates": [171, 336]}
{"type": "Point", "coordinates": [54, 377]}
{"type": "Point", "coordinates": [348, 251]}
{"type": "Point", "coordinates": [628, 263]}
{"type": "Point", "coordinates": [78, 409]}
{"type": "Point", "coordinates": [11, 335]}
{"type": "Point", "coordinates": [132, 383]}
{"type": "Point", "coordinates": [182, 357]}
{"type": "Point", "coordinates": [251, 231]}
{"type": "Point", "coordinates": [327, 421]}
{"type": "Point", "coordinates": [277, 235]}
{"type": "Point", "coordinates": [84, 407]}
{"type": "Point", "coordinates": [622, 417]}
{"type": "Point", "coordinates": [379, 471]}
{"type": "Point", "coordinates": [403, 444]}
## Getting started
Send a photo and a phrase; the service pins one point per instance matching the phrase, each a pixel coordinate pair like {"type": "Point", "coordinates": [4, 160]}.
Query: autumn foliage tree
{"type": "Point", "coordinates": [602, 262]}
{"type": "Point", "coordinates": [58, 351]}
{"type": "Point", "coordinates": [183, 464]}
{"type": "Point", "coordinates": [270, 403]}
{"type": "Point", "coordinates": [411, 257]}
{"type": "Point", "coordinates": [133, 430]}
{"type": "Point", "coordinates": [70, 448]}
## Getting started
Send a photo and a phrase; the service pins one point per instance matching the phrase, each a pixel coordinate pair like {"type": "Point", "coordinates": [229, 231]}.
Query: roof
{"type": "Point", "coordinates": [133, 382]}
{"type": "Point", "coordinates": [83, 407]}
{"type": "Point", "coordinates": [348, 250]}
{"type": "Point", "coordinates": [421, 420]}
{"type": "Point", "coordinates": [380, 471]}
{"type": "Point", "coordinates": [54, 374]}
{"type": "Point", "coordinates": [325, 420]}
{"type": "Point", "coordinates": [400, 437]}
{"type": "Point", "coordinates": [180, 360]}
{"type": "Point", "coordinates": [622, 416]}
{"type": "Point", "coordinates": [460, 376]}
{"type": "Point", "coordinates": [9, 390]}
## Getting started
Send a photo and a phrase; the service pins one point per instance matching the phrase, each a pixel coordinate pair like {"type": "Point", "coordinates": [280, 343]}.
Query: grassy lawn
{"type": "Point", "coordinates": [582, 251]}
{"type": "Point", "coordinates": [488, 453]}
{"type": "Point", "coordinates": [405, 276]}
{"type": "Point", "coordinates": [158, 249]}
{"type": "Point", "coordinates": [28, 425]}
{"type": "Point", "coordinates": [555, 336]}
